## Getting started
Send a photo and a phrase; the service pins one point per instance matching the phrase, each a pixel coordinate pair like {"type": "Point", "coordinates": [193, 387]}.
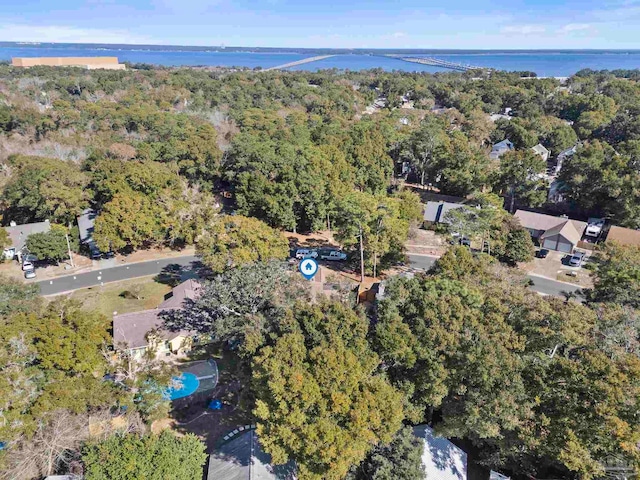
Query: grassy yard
{"type": "Point", "coordinates": [108, 298]}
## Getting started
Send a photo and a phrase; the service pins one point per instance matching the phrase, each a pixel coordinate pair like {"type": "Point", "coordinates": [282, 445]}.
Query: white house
{"type": "Point", "coordinates": [542, 152]}
{"type": "Point", "coordinates": [18, 236]}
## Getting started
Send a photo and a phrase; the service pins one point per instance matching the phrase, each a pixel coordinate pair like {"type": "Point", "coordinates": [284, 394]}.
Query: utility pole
{"type": "Point", "coordinates": [66, 235]}
{"type": "Point", "coordinates": [361, 256]}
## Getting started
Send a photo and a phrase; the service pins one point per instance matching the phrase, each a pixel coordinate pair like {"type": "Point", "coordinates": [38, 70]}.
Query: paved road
{"type": "Point", "coordinates": [543, 285]}
{"type": "Point", "coordinates": [113, 274]}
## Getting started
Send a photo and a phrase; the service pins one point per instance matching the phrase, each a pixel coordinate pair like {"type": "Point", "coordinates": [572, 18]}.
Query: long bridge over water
{"type": "Point", "coordinates": [431, 61]}
{"type": "Point", "coordinates": [298, 62]}
{"type": "Point", "coordinates": [437, 62]}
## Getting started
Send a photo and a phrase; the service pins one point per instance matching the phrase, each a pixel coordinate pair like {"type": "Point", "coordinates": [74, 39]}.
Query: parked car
{"type": "Point", "coordinates": [333, 255]}
{"type": "Point", "coordinates": [576, 259]}
{"type": "Point", "coordinates": [464, 241]}
{"type": "Point", "coordinates": [27, 265]}
{"type": "Point", "coordinates": [303, 253]}
{"type": "Point", "coordinates": [30, 273]}
{"type": "Point", "coordinates": [542, 253]}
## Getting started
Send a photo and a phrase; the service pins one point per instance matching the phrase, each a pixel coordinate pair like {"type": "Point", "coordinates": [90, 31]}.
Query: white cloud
{"type": "Point", "coordinates": [399, 35]}
{"type": "Point", "coordinates": [523, 29]}
{"type": "Point", "coordinates": [575, 27]}
{"type": "Point", "coordinates": [64, 34]}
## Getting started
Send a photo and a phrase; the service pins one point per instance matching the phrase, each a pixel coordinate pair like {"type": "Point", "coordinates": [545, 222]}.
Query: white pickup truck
{"type": "Point", "coordinates": [304, 253]}
{"type": "Point", "coordinates": [333, 255]}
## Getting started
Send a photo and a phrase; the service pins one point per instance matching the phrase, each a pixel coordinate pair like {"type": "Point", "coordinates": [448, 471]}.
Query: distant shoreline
{"type": "Point", "coordinates": [319, 50]}
{"type": "Point", "coordinates": [547, 63]}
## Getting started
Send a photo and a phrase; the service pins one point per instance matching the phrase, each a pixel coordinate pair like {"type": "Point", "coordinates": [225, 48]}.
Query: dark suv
{"type": "Point", "coordinates": [542, 253]}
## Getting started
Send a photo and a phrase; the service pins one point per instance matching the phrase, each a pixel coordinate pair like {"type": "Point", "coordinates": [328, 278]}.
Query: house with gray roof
{"type": "Point", "coordinates": [561, 158]}
{"type": "Point", "coordinates": [242, 458]}
{"type": "Point", "coordinates": [554, 233]}
{"type": "Point", "coordinates": [444, 460]}
{"type": "Point", "coordinates": [86, 224]}
{"type": "Point", "coordinates": [187, 290]}
{"type": "Point", "coordinates": [18, 237]}
{"type": "Point", "coordinates": [500, 149]}
{"type": "Point", "coordinates": [144, 330]}
{"type": "Point", "coordinates": [435, 212]}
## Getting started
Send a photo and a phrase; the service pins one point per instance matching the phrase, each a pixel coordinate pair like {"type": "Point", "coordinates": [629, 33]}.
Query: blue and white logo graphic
{"type": "Point", "coordinates": [308, 268]}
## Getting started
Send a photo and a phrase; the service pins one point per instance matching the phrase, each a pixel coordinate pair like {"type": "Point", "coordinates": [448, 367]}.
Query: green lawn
{"type": "Point", "coordinates": [107, 299]}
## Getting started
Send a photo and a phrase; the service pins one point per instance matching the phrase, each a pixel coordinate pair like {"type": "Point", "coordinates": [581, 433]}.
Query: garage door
{"type": "Point", "coordinates": [549, 244]}
{"type": "Point", "coordinates": [565, 247]}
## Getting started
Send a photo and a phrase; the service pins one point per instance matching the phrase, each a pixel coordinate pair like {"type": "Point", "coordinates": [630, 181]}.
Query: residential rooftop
{"type": "Point", "coordinates": [624, 236]}
{"type": "Point", "coordinates": [19, 233]}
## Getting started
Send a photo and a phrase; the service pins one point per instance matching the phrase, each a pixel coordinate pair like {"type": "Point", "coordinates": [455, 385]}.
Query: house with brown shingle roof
{"type": "Point", "coordinates": [142, 331]}
{"type": "Point", "coordinates": [623, 236]}
{"type": "Point", "coordinates": [553, 233]}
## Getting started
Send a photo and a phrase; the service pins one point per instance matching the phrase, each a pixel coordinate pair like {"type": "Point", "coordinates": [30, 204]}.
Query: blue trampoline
{"type": "Point", "coordinates": [190, 384]}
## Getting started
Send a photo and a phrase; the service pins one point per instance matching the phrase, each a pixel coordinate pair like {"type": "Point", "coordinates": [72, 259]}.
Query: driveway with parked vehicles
{"type": "Point", "coordinates": [560, 266]}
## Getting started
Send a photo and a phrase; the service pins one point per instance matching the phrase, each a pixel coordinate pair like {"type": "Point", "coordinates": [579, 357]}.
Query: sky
{"type": "Point", "coordinates": [454, 24]}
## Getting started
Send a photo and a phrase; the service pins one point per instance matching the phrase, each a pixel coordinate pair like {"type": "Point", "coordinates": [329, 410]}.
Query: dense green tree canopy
{"type": "Point", "coordinates": [319, 398]}
{"type": "Point", "coordinates": [602, 182]}
{"type": "Point", "coordinates": [518, 178]}
{"type": "Point", "coordinates": [383, 223]}
{"type": "Point", "coordinates": [618, 275]}
{"type": "Point", "coordinates": [50, 245]}
{"type": "Point", "coordinates": [15, 296]}
{"type": "Point", "coordinates": [5, 241]}
{"type": "Point", "coordinates": [242, 305]}
{"type": "Point", "coordinates": [234, 240]}
{"type": "Point", "coordinates": [153, 457]}
{"type": "Point", "coordinates": [448, 336]}
{"type": "Point", "coordinates": [44, 189]}
{"type": "Point", "coordinates": [50, 360]}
